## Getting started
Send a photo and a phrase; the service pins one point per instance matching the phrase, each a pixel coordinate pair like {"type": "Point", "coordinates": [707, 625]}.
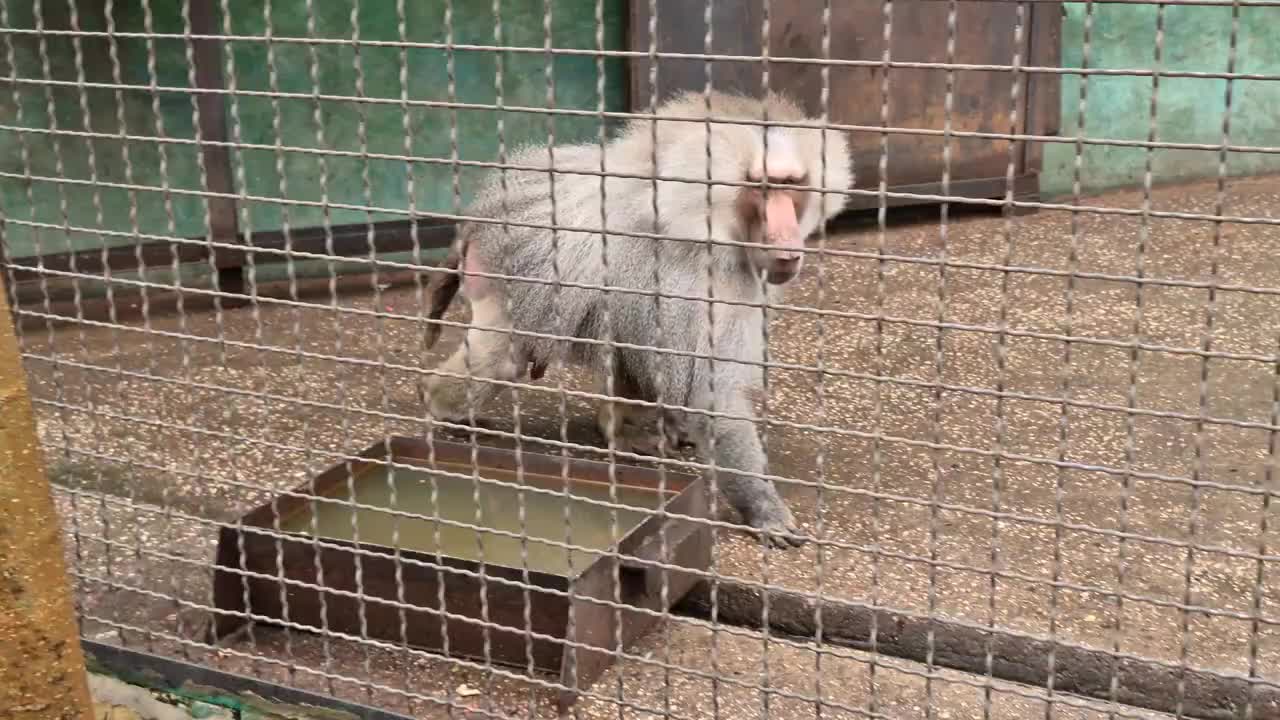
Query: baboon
{"type": "Point", "coordinates": [678, 263]}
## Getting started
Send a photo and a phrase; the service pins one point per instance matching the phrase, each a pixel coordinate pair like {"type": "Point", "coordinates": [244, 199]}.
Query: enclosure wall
{"type": "Point", "coordinates": [1120, 36]}
{"type": "Point", "coordinates": [1190, 109]}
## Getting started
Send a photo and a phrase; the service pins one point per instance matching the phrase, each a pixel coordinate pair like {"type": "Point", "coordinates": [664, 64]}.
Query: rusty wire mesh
{"type": "Point", "coordinates": [1031, 450]}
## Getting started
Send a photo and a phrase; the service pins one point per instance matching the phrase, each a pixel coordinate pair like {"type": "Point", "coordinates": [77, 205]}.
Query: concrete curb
{"type": "Point", "coordinates": [1014, 657]}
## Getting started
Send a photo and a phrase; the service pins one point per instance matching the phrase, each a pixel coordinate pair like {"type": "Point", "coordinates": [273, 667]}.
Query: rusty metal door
{"type": "Point", "coordinates": [982, 101]}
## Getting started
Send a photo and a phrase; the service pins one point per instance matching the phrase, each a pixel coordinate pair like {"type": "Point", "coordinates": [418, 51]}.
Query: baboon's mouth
{"type": "Point", "coordinates": [781, 271]}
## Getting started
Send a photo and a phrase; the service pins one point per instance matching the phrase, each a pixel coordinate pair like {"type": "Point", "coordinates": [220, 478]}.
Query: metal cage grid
{"type": "Point", "coordinates": [1032, 454]}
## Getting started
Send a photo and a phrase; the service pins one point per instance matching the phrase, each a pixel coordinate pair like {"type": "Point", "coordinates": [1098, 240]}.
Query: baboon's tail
{"type": "Point", "coordinates": [441, 289]}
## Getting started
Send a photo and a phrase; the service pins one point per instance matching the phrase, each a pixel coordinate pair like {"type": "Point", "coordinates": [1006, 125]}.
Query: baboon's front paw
{"type": "Point", "coordinates": [776, 526]}
{"type": "Point", "coordinates": [464, 421]}
{"type": "Point", "coordinates": [443, 406]}
{"type": "Point", "coordinates": [440, 411]}
{"type": "Point", "coordinates": [446, 416]}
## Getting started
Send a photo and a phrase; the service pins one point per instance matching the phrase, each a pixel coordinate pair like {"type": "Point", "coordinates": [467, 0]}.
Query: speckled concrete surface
{"type": "Point", "coordinates": [1080, 549]}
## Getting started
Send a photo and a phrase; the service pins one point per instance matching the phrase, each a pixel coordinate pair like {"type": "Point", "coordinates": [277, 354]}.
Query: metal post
{"type": "Point", "coordinates": [42, 672]}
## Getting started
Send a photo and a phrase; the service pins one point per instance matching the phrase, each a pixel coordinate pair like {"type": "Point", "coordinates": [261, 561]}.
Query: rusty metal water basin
{"type": "Point", "coordinates": [429, 538]}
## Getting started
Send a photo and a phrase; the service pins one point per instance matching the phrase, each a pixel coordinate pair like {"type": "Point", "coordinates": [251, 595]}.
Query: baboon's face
{"type": "Point", "coordinates": [772, 214]}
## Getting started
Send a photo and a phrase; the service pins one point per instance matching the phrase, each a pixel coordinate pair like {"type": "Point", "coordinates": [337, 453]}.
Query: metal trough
{"type": "Point", "coordinates": [267, 566]}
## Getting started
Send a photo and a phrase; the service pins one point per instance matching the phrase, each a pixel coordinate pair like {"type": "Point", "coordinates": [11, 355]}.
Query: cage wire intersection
{"type": "Point", "coordinates": [1022, 404]}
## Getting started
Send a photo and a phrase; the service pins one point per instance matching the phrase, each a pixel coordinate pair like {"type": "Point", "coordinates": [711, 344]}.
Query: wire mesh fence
{"type": "Point", "coordinates": [997, 440]}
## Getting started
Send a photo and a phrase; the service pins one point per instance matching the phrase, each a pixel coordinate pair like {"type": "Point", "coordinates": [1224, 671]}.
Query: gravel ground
{"type": "Point", "coordinates": [942, 457]}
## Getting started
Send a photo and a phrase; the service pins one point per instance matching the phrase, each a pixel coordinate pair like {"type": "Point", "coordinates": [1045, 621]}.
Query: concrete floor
{"type": "Point", "coordinates": [920, 508]}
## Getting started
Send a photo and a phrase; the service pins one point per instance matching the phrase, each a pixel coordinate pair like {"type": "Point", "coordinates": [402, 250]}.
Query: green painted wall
{"type": "Point", "coordinates": [32, 108]}
{"type": "Point", "coordinates": [475, 72]}
{"type": "Point", "coordinates": [1189, 110]}
{"type": "Point", "coordinates": [255, 118]}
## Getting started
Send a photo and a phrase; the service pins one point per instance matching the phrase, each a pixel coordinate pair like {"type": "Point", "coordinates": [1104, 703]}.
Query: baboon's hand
{"type": "Point", "coordinates": [776, 526]}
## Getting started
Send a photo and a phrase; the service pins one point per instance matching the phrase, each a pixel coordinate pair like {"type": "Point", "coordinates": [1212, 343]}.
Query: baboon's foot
{"type": "Point", "coordinates": [773, 523]}
{"type": "Point", "coordinates": [638, 440]}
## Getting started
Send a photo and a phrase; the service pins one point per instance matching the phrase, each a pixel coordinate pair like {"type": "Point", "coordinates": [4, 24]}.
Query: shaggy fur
{"type": "Point", "coordinates": [671, 267]}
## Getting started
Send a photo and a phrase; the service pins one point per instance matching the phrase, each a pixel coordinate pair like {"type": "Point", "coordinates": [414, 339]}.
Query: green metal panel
{"type": "Point", "coordinates": [30, 105]}
{"type": "Point", "coordinates": [1190, 110]}
{"type": "Point", "coordinates": [259, 120]}
{"type": "Point", "coordinates": [341, 70]}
